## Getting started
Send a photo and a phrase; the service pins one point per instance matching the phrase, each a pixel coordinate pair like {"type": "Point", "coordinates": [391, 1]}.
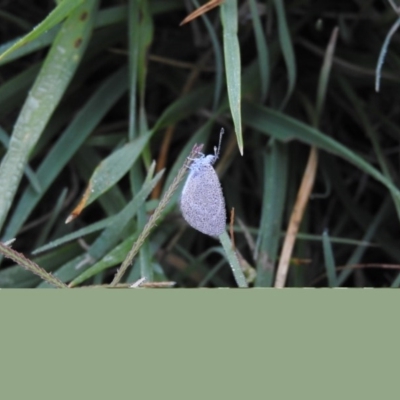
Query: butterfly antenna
{"type": "Point", "coordinates": [217, 150]}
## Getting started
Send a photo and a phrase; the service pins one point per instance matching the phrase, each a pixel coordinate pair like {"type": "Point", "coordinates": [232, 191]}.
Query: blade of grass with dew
{"type": "Point", "coordinates": [285, 128]}
{"type": "Point", "coordinates": [46, 93]}
{"type": "Point", "coordinates": [262, 49]}
{"type": "Point", "coordinates": [44, 40]}
{"type": "Point", "coordinates": [215, 280]}
{"type": "Point", "coordinates": [70, 141]}
{"type": "Point", "coordinates": [62, 10]}
{"type": "Point", "coordinates": [114, 167]}
{"type": "Point", "coordinates": [287, 49]}
{"type": "Point", "coordinates": [59, 120]}
{"type": "Point", "coordinates": [112, 201]}
{"type": "Point", "coordinates": [329, 258]}
{"type": "Point", "coordinates": [233, 260]}
{"type": "Point", "coordinates": [87, 159]}
{"type": "Point", "coordinates": [33, 180]}
{"type": "Point", "coordinates": [229, 18]}
{"type": "Point", "coordinates": [275, 185]}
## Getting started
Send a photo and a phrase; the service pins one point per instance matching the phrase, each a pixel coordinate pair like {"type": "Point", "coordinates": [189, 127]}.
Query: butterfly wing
{"type": "Point", "coordinates": [202, 201]}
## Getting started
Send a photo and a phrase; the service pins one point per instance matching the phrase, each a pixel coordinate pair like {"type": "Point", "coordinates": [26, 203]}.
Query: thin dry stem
{"type": "Point", "coordinates": [303, 196]}
{"type": "Point", "coordinates": [29, 265]}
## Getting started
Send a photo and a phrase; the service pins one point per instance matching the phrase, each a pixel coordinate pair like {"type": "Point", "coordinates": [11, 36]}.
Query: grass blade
{"type": "Point", "coordinates": [49, 87]}
{"type": "Point", "coordinates": [229, 17]}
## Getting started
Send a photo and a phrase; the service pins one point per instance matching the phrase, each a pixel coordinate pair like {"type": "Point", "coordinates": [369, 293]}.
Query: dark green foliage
{"type": "Point", "coordinates": [124, 72]}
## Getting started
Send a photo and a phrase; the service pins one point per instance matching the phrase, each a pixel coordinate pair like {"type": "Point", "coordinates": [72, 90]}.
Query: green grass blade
{"type": "Point", "coordinates": [275, 186]}
{"type": "Point", "coordinates": [111, 259]}
{"type": "Point", "coordinates": [369, 234]}
{"type": "Point", "coordinates": [71, 140]}
{"type": "Point", "coordinates": [108, 238]}
{"type": "Point", "coordinates": [287, 49]}
{"type": "Point", "coordinates": [383, 52]}
{"type": "Point", "coordinates": [34, 181]}
{"type": "Point", "coordinates": [262, 49]}
{"type": "Point", "coordinates": [184, 106]}
{"type": "Point", "coordinates": [87, 159]}
{"type": "Point", "coordinates": [49, 87]}
{"type": "Point", "coordinates": [80, 233]}
{"type": "Point", "coordinates": [114, 167]}
{"type": "Point", "coordinates": [330, 264]}
{"type": "Point", "coordinates": [219, 66]}
{"type": "Point", "coordinates": [229, 17]}
{"type": "Point", "coordinates": [285, 128]}
{"type": "Point", "coordinates": [140, 38]}
{"type": "Point", "coordinates": [371, 133]}
{"type": "Point", "coordinates": [55, 214]}
{"type": "Point", "coordinates": [324, 76]}
{"type": "Point", "coordinates": [233, 260]}
{"type": "Point", "coordinates": [62, 10]}
{"type": "Point", "coordinates": [105, 17]}
{"type": "Point", "coordinates": [13, 91]}
{"type": "Point", "coordinates": [111, 235]}
{"type": "Point", "coordinates": [362, 218]}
